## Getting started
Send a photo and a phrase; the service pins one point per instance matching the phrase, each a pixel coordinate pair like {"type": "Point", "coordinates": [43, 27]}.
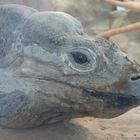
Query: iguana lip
{"type": "Point", "coordinates": [113, 104]}
{"type": "Point", "coordinates": [104, 95]}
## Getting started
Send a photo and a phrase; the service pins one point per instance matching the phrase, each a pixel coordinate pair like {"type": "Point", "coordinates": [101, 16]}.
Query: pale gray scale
{"type": "Point", "coordinates": [12, 18]}
{"type": "Point", "coordinates": [10, 82]}
{"type": "Point", "coordinates": [13, 104]}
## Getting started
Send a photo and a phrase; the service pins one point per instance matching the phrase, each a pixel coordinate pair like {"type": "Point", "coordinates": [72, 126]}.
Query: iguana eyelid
{"type": "Point", "coordinates": [81, 68]}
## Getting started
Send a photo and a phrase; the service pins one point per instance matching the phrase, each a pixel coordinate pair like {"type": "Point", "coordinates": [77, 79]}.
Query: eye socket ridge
{"type": "Point", "coordinates": [79, 57]}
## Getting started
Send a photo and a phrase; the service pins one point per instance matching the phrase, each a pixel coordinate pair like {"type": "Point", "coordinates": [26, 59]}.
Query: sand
{"type": "Point", "coordinates": [124, 127]}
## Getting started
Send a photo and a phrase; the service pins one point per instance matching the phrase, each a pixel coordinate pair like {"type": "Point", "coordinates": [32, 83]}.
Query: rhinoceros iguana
{"type": "Point", "coordinates": [51, 71]}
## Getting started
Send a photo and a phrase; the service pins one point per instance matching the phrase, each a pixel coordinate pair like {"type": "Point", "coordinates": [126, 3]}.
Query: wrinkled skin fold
{"type": "Point", "coordinates": [51, 71]}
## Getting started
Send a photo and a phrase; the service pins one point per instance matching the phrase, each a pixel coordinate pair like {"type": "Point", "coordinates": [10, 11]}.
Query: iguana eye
{"type": "Point", "coordinates": [79, 57]}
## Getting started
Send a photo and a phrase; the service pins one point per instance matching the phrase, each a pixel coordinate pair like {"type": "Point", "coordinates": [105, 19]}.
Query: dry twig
{"type": "Point", "coordinates": [116, 31]}
{"type": "Point", "coordinates": [135, 6]}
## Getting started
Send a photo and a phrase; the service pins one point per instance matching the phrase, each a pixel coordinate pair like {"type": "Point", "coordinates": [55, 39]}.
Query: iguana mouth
{"type": "Point", "coordinates": [117, 96]}
{"type": "Point", "coordinates": [110, 102]}
{"type": "Point", "coordinates": [121, 98]}
{"type": "Point", "coordinates": [91, 92]}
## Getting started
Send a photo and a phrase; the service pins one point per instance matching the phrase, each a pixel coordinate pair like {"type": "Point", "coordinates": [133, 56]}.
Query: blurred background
{"type": "Point", "coordinates": [96, 17]}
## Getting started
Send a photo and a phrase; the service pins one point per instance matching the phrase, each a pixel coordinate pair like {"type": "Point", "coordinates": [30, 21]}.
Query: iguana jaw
{"type": "Point", "coordinates": [101, 104]}
{"type": "Point", "coordinates": [110, 105]}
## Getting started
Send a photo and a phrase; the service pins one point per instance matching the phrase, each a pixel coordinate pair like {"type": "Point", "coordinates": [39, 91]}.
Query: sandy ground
{"type": "Point", "coordinates": [125, 127]}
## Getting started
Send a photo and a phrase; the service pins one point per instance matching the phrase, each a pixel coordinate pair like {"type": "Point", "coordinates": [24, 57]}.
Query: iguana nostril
{"type": "Point", "coordinates": [135, 77]}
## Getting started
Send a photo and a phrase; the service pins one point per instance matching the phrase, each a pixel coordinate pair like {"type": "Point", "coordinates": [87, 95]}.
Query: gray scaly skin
{"type": "Point", "coordinates": [51, 71]}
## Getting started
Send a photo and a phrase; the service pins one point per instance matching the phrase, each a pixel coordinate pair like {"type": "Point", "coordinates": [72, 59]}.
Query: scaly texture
{"type": "Point", "coordinates": [50, 70]}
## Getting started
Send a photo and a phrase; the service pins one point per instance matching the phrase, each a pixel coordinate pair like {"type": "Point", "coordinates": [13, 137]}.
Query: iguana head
{"type": "Point", "coordinates": [59, 72]}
